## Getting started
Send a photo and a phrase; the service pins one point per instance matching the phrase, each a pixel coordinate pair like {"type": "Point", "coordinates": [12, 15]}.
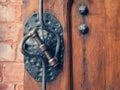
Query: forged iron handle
{"type": "Point", "coordinates": [51, 60]}
{"type": "Point", "coordinates": [34, 34]}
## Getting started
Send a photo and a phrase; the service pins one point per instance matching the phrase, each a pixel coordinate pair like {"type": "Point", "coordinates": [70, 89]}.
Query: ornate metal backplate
{"type": "Point", "coordinates": [34, 65]}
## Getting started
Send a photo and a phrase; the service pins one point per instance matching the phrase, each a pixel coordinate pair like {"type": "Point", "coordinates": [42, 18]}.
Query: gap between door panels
{"type": "Point", "coordinates": [69, 26]}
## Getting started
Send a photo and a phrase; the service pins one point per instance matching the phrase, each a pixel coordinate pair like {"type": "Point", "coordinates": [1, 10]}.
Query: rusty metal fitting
{"type": "Point", "coordinates": [53, 61]}
{"type": "Point", "coordinates": [32, 33]}
{"type": "Point", "coordinates": [43, 47]}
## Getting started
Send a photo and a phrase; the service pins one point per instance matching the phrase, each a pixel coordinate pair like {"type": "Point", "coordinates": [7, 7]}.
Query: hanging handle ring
{"type": "Point", "coordinates": [52, 60]}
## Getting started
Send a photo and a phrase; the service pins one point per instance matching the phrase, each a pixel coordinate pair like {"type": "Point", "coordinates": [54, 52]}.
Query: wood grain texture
{"type": "Point", "coordinates": [59, 9]}
{"type": "Point", "coordinates": [96, 56]}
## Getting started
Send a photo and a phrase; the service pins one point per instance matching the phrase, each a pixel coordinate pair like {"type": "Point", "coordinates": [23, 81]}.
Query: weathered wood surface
{"type": "Point", "coordinates": [96, 56]}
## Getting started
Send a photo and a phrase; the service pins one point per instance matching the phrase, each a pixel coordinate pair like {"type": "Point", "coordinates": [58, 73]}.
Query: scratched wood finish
{"type": "Point", "coordinates": [96, 56]}
{"type": "Point", "coordinates": [59, 9]}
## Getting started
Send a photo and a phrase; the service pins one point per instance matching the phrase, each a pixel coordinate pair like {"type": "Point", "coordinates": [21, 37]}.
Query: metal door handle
{"type": "Point", "coordinates": [43, 46]}
{"type": "Point", "coordinates": [52, 60]}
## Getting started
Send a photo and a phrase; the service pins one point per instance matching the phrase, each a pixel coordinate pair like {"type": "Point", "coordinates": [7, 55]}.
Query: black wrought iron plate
{"type": "Point", "coordinates": [34, 65]}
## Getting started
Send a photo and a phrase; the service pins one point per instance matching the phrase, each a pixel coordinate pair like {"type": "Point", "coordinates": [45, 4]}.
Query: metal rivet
{"type": "Point", "coordinates": [61, 34]}
{"type": "Point", "coordinates": [38, 79]}
{"type": "Point", "coordinates": [57, 25]}
{"type": "Point", "coordinates": [83, 28]}
{"type": "Point", "coordinates": [49, 69]}
{"type": "Point", "coordinates": [83, 10]}
{"type": "Point", "coordinates": [48, 22]}
{"type": "Point", "coordinates": [40, 74]}
{"type": "Point", "coordinates": [27, 61]}
{"type": "Point", "coordinates": [38, 64]}
{"type": "Point", "coordinates": [48, 16]}
{"type": "Point", "coordinates": [50, 74]}
{"type": "Point", "coordinates": [51, 78]}
{"type": "Point", "coordinates": [33, 60]}
{"type": "Point", "coordinates": [41, 69]}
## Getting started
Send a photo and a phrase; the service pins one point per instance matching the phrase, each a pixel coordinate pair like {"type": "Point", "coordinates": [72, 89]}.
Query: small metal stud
{"type": "Point", "coordinates": [38, 64]}
{"type": "Point", "coordinates": [83, 10]}
{"type": "Point", "coordinates": [49, 69]}
{"type": "Point", "coordinates": [50, 74]}
{"type": "Point", "coordinates": [40, 74]}
{"type": "Point", "coordinates": [83, 28]}
{"type": "Point", "coordinates": [26, 61]}
{"type": "Point", "coordinates": [51, 78]}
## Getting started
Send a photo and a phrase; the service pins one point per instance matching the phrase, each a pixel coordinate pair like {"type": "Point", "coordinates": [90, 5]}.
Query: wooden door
{"type": "Point", "coordinates": [92, 61]}
{"type": "Point", "coordinates": [96, 55]}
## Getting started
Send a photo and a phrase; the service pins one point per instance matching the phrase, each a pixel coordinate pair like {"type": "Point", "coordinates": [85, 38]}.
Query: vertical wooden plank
{"type": "Point", "coordinates": [96, 59]}
{"type": "Point", "coordinates": [59, 9]}
{"type": "Point", "coordinates": [113, 41]}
